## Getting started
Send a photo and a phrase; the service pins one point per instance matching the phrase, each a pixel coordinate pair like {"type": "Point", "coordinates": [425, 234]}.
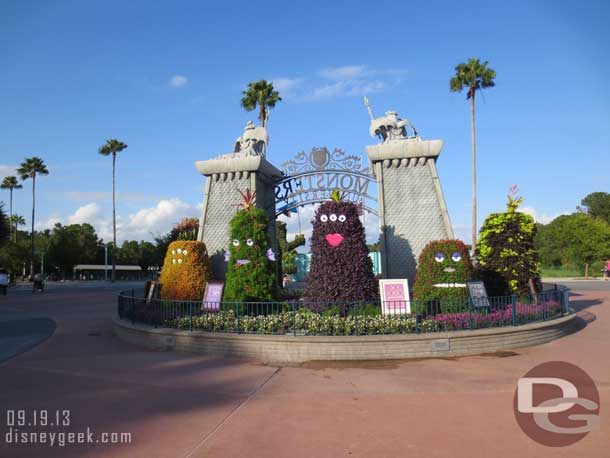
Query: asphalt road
{"type": "Point", "coordinates": [587, 285]}
{"type": "Point", "coordinates": [22, 330]}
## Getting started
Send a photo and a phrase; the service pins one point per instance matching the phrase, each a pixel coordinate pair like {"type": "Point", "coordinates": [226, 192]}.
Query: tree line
{"type": "Point", "coordinates": [58, 250]}
{"type": "Point", "coordinates": [579, 241]}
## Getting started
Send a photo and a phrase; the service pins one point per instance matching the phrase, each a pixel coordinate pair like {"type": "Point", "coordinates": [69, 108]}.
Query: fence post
{"type": "Point", "coordinates": [543, 302]}
{"type": "Point", "coordinates": [514, 304]}
{"type": "Point", "coordinates": [132, 302]}
{"type": "Point", "coordinates": [294, 319]}
{"type": "Point", "coordinates": [416, 319]}
{"type": "Point", "coordinates": [356, 320]}
{"type": "Point", "coordinates": [190, 315]}
{"type": "Point", "coordinates": [470, 313]}
{"type": "Point", "coordinates": [236, 310]}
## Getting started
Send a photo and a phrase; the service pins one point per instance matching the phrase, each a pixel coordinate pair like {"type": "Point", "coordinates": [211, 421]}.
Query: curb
{"type": "Point", "coordinates": [289, 349]}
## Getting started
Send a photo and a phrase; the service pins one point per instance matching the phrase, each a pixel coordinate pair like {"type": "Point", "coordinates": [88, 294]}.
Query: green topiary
{"type": "Point", "coordinates": [444, 268]}
{"type": "Point", "coordinates": [250, 274]}
{"type": "Point", "coordinates": [507, 257]}
{"type": "Point", "coordinates": [186, 271]}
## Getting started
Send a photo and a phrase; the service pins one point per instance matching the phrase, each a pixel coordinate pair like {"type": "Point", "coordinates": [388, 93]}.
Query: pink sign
{"type": "Point", "coordinates": [395, 297]}
{"type": "Point", "coordinates": [212, 296]}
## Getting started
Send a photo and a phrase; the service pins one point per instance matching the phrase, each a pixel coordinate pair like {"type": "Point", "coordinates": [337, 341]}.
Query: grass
{"type": "Point", "coordinates": [568, 273]}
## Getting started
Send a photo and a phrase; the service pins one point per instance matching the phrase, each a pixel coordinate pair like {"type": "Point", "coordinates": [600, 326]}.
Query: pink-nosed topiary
{"type": "Point", "coordinates": [341, 270]}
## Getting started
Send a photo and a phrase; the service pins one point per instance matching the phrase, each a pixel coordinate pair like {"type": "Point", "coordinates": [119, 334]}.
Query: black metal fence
{"type": "Point", "coordinates": [344, 318]}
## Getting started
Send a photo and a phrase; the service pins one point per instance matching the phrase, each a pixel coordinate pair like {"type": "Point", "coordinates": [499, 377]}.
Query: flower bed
{"type": "Point", "coordinates": [305, 321]}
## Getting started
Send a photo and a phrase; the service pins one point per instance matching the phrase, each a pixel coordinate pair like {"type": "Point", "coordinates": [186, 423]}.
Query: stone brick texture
{"type": "Point", "coordinates": [413, 214]}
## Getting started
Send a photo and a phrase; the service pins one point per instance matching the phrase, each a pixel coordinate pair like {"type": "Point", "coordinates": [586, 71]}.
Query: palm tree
{"type": "Point", "coordinates": [16, 221]}
{"type": "Point", "coordinates": [113, 146]}
{"type": "Point", "coordinates": [30, 168]}
{"type": "Point", "coordinates": [10, 183]}
{"type": "Point", "coordinates": [260, 93]}
{"type": "Point", "coordinates": [5, 229]}
{"type": "Point", "coordinates": [473, 75]}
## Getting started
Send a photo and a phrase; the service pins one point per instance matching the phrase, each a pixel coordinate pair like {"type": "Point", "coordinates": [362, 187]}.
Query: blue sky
{"type": "Point", "coordinates": [167, 77]}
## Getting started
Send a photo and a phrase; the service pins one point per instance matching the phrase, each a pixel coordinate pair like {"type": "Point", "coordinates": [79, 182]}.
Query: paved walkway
{"type": "Point", "coordinates": [177, 405]}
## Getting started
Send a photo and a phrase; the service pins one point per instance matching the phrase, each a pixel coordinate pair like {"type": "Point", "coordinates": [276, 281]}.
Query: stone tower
{"type": "Point", "coordinates": [412, 208]}
{"type": "Point", "coordinates": [226, 175]}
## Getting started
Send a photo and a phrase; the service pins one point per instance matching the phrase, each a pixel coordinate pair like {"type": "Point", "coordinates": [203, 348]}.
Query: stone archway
{"type": "Point", "coordinates": [409, 200]}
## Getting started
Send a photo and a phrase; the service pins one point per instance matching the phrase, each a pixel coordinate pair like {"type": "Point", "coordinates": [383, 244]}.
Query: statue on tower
{"type": "Point", "coordinates": [390, 128]}
{"type": "Point", "coordinates": [253, 142]}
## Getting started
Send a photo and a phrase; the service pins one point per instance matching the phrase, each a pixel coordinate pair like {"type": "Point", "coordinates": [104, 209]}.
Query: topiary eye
{"type": "Point", "coordinates": [439, 257]}
{"type": "Point", "coordinates": [249, 242]}
{"type": "Point", "coordinates": [323, 218]}
{"type": "Point", "coordinates": [333, 217]}
{"type": "Point", "coordinates": [235, 242]}
{"type": "Point", "coordinates": [456, 257]}
{"type": "Point", "coordinates": [342, 218]}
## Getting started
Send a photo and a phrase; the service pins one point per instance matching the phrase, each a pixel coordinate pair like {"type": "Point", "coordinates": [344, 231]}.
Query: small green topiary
{"type": "Point", "coordinates": [250, 273]}
{"type": "Point", "coordinates": [443, 270]}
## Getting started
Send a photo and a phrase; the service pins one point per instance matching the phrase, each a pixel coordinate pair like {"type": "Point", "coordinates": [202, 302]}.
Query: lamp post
{"type": "Point", "coordinates": [105, 262]}
{"type": "Point", "coordinates": [41, 253]}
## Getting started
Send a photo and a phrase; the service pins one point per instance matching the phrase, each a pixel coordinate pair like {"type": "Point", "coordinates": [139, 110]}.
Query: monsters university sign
{"type": "Point", "coordinates": [312, 177]}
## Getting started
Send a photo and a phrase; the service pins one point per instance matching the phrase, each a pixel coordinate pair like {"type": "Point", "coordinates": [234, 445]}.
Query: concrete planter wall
{"type": "Point", "coordinates": [298, 349]}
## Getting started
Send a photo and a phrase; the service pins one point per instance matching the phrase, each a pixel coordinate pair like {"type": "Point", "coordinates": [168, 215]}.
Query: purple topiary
{"type": "Point", "coordinates": [341, 270]}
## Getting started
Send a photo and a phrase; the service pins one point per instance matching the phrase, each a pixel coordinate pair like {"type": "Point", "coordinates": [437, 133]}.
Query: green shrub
{"type": "Point", "coordinates": [250, 274]}
{"type": "Point", "coordinates": [506, 252]}
{"type": "Point", "coordinates": [444, 268]}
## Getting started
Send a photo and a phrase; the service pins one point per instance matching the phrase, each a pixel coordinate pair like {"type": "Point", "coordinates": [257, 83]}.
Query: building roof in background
{"type": "Point", "coordinates": [103, 267]}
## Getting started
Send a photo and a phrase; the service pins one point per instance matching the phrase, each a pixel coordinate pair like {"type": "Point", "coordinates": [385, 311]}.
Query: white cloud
{"type": "Point", "coordinates": [177, 81]}
{"type": "Point", "coordinates": [141, 225]}
{"type": "Point", "coordinates": [542, 218]}
{"type": "Point", "coordinates": [7, 170]}
{"type": "Point", "coordinates": [48, 223]}
{"type": "Point", "coordinates": [85, 214]}
{"type": "Point", "coordinates": [158, 218]}
{"type": "Point", "coordinates": [371, 226]}
{"type": "Point", "coordinates": [349, 88]}
{"type": "Point", "coordinates": [328, 90]}
{"type": "Point", "coordinates": [101, 195]}
{"type": "Point", "coordinates": [344, 73]}
{"type": "Point", "coordinates": [286, 86]}
{"type": "Point", "coordinates": [348, 80]}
